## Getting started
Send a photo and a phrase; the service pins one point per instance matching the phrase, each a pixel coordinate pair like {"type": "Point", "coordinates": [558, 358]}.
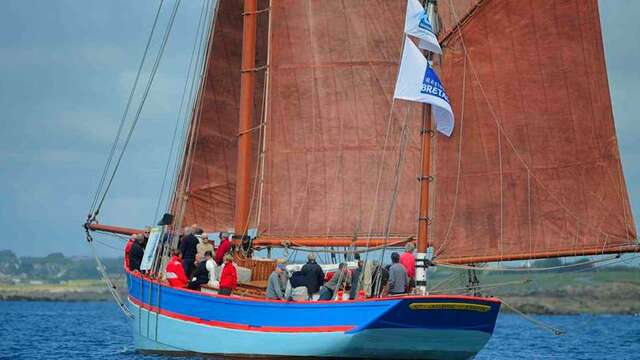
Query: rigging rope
{"type": "Point", "coordinates": [554, 330]}
{"type": "Point", "coordinates": [107, 281]}
{"type": "Point", "coordinates": [182, 103]}
{"type": "Point", "coordinates": [126, 111]}
{"type": "Point", "coordinates": [140, 106]}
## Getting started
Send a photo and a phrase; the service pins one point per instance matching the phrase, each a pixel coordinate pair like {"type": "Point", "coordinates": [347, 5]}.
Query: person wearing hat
{"type": "Point", "coordinates": [313, 275]}
{"type": "Point", "coordinates": [204, 246]}
{"type": "Point", "coordinates": [275, 291]}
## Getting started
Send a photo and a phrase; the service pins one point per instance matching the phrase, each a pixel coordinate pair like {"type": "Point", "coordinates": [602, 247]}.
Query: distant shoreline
{"type": "Point", "coordinates": [583, 302]}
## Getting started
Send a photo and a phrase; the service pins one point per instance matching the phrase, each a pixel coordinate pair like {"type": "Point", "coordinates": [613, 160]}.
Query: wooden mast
{"type": "Point", "coordinates": [247, 79]}
{"type": "Point", "coordinates": [425, 180]}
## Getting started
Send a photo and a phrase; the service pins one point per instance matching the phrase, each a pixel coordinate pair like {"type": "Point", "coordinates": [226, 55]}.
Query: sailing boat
{"type": "Point", "coordinates": [296, 134]}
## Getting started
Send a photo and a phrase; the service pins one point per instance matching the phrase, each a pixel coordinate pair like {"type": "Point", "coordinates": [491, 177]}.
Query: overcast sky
{"type": "Point", "coordinates": [66, 68]}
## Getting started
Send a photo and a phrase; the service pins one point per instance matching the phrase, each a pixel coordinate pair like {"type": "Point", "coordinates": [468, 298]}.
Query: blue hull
{"type": "Point", "coordinates": [411, 327]}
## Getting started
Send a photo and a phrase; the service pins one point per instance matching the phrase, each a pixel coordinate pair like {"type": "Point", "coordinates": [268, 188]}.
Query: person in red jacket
{"type": "Point", "coordinates": [408, 261]}
{"type": "Point", "coordinates": [127, 249]}
{"type": "Point", "coordinates": [175, 271]}
{"type": "Point", "coordinates": [223, 249]}
{"type": "Point", "coordinates": [228, 276]}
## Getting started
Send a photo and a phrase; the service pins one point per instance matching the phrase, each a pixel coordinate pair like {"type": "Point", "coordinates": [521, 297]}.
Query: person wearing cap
{"type": "Point", "coordinates": [313, 275]}
{"type": "Point", "coordinates": [204, 246]}
{"type": "Point", "coordinates": [275, 291]}
{"type": "Point", "coordinates": [228, 276]}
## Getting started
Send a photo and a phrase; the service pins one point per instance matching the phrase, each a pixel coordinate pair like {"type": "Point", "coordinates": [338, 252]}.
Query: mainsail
{"type": "Point", "coordinates": [212, 151]}
{"type": "Point", "coordinates": [532, 170]}
{"type": "Point", "coordinates": [333, 68]}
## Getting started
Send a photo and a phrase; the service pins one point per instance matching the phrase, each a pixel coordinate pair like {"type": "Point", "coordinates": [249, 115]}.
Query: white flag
{"type": "Point", "coordinates": [418, 82]}
{"type": "Point", "coordinates": [417, 24]}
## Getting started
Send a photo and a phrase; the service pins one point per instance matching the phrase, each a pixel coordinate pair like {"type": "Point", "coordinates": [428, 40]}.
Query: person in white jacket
{"type": "Point", "coordinates": [212, 268]}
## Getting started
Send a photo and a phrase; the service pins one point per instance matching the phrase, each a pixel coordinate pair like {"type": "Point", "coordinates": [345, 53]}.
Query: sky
{"type": "Point", "coordinates": [66, 69]}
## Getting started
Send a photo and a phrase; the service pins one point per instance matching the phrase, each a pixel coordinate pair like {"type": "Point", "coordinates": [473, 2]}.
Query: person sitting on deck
{"type": "Point", "coordinates": [223, 248]}
{"type": "Point", "coordinates": [409, 262]}
{"type": "Point", "coordinates": [339, 279]}
{"type": "Point", "coordinates": [204, 245]}
{"type": "Point", "coordinates": [136, 253]}
{"type": "Point", "coordinates": [212, 268]}
{"type": "Point", "coordinates": [228, 276]}
{"type": "Point", "coordinates": [174, 272]}
{"type": "Point", "coordinates": [275, 291]}
{"type": "Point", "coordinates": [314, 276]}
{"type": "Point", "coordinates": [355, 278]}
{"type": "Point", "coordinates": [200, 274]}
{"type": "Point", "coordinates": [398, 279]}
{"type": "Point", "coordinates": [189, 249]}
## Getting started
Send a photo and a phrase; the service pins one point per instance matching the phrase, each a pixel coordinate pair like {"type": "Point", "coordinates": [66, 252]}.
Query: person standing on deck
{"type": "Point", "coordinates": [398, 279]}
{"type": "Point", "coordinates": [189, 249]}
{"type": "Point", "coordinates": [313, 274]}
{"type": "Point", "coordinates": [174, 272]}
{"type": "Point", "coordinates": [223, 248]}
{"type": "Point", "coordinates": [339, 279]}
{"type": "Point", "coordinates": [127, 250]}
{"type": "Point", "coordinates": [136, 253]}
{"type": "Point", "coordinates": [228, 276]}
{"type": "Point", "coordinates": [204, 246]}
{"type": "Point", "coordinates": [409, 262]}
{"type": "Point", "coordinates": [274, 285]}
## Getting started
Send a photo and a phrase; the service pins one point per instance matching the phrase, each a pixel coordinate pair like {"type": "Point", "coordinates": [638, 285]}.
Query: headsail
{"type": "Point", "coordinates": [539, 167]}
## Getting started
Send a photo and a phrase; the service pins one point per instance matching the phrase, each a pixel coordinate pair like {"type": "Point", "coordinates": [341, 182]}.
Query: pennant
{"type": "Point", "coordinates": [417, 24]}
{"type": "Point", "coordinates": [418, 82]}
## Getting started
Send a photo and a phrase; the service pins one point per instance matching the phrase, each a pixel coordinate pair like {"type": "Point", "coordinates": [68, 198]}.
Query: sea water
{"type": "Point", "coordinates": [98, 330]}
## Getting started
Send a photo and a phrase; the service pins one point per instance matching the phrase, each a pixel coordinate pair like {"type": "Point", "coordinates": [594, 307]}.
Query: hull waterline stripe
{"type": "Point", "coordinates": [235, 326]}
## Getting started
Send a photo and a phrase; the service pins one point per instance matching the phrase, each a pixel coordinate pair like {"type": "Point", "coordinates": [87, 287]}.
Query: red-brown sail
{"type": "Point", "coordinates": [333, 68]}
{"type": "Point", "coordinates": [550, 182]}
{"type": "Point", "coordinates": [211, 167]}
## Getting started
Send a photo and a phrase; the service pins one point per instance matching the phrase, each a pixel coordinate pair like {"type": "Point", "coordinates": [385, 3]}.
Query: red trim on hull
{"type": "Point", "coordinates": [234, 326]}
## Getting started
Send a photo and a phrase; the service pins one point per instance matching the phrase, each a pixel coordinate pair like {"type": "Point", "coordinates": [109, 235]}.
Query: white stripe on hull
{"type": "Point", "coordinates": [154, 332]}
